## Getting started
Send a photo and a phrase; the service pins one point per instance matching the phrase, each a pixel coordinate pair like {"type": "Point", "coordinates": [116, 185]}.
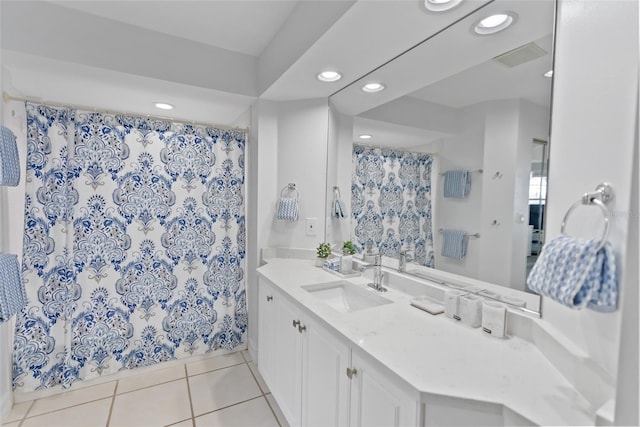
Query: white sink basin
{"type": "Point", "coordinates": [344, 296]}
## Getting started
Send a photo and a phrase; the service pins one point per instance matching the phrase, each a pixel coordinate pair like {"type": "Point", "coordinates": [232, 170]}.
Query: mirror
{"type": "Point", "coordinates": [455, 169]}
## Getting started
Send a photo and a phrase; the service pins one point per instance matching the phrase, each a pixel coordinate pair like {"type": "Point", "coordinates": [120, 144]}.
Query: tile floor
{"type": "Point", "coordinates": [220, 391]}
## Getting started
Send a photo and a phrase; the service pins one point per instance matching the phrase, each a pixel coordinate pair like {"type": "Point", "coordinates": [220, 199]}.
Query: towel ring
{"type": "Point", "coordinates": [602, 207]}
{"type": "Point", "coordinates": [291, 187]}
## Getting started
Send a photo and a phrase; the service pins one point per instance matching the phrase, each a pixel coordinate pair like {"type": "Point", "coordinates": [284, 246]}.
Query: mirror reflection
{"type": "Point", "coordinates": [447, 165]}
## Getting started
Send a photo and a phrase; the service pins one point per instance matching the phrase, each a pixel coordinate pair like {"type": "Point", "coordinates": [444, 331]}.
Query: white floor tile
{"type": "Point", "coordinates": [149, 378]}
{"type": "Point", "coordinates": [185, 423]}
{"type": "Point", "coordinates": [281, 419]}
{"type": "Point", "coordinates": [224, 387]}
{"type": "Point", "coordinates": [256, 373]}
{"type": "Point", "coordinates": [94, 414]}
{"type": "Point", "coordinates": [214, 363]}
{"type": "Point", "coordinates": [18, 411]}
{"type": "Point", "coordinates": [13, 424]}
{"type": "Point", "coordinates": [159, 405]}
{"type": "Point", "coordinates": [72, 398]}
{"type": "Point", "coordinates": [246, 355]}
{"type": "Point", "coordinates": [254, 413]}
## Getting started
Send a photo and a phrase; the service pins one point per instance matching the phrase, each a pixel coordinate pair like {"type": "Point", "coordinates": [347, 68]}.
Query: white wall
{"type": "Point", "coordinates": [593, 135]}
{"type": "Point", "coordinates": [511, 127]}
{"type": "Point", "coordinates": [496, 137]}
{"type": "Point", "coordinates": [302, 159]}
{"type": "Point", "coordinates": [339, 174]}
{"type": "Point", "coordinates": [11, 232]}
{"type": "Point", "coordinates": [288, 143]}
{"type": "Point", "coordinates": [462, 151]}
{"type": "Point", "coordinates": [6, 329]}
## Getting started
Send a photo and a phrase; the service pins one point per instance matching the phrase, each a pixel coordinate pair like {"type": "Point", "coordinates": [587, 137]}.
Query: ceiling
{"type": "Point", "coordinates": [221, 53]}
{"type": "Point", "coordinates": [243, 26]}
{"type": "Point", "coordinates": [428, 85]}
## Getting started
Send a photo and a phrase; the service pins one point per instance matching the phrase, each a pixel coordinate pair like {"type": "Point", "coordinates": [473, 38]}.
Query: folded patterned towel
{"type": "Point", "coordinates": [288, 209]}
{"type": "Point", "coordinates": [576, 273]}
{"type": "Point", "coordinates": [9, 159]}
{"type": "Point", "coordinates": [332, 264]}
{"type": "Point", "coordinates": [454, 243]}
{"type": "Point", "coordinates": [12, 293]}
{"type": "Point", "coordinates": [457, 183]}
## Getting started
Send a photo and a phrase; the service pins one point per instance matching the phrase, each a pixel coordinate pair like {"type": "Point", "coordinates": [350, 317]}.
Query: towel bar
{"type": "Point", "coordinates": [473, 171]}
{"type": "Point", "coordinates": [471, 236]}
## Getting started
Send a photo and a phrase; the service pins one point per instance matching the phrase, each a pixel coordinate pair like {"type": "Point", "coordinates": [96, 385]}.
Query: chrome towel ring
{"type": "Point", "coordinates": [602, 195]}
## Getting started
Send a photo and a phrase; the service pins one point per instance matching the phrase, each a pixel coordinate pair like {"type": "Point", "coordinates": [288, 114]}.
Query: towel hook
{"type": "Point", "coordinates": [599, 197]}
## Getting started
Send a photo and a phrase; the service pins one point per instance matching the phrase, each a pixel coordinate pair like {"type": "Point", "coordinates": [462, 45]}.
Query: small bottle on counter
{"type": "Point", "coordinates": [346, 262]}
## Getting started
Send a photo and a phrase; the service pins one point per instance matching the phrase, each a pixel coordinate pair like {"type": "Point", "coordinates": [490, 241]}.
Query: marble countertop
{"type": "Point", "coordinates": [437, 355]}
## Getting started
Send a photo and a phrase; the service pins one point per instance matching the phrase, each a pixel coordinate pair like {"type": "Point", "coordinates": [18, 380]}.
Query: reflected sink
{"type": "Point", "coordinates": [345, 297]}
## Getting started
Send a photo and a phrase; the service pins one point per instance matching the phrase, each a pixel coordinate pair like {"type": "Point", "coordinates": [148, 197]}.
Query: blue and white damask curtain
{"type": "Point", "coordinates": [134, 245]}
{"type": "Point", "coordinates": [391, 202]}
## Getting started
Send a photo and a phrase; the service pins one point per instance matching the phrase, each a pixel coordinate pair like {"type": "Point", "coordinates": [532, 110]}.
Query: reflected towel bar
{"type": "Point", "coordinates": [473, 171]}
{"type": "Point", "coordinates": [471, 236]}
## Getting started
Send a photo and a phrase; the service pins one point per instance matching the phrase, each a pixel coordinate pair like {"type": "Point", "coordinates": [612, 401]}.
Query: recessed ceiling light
{"type": "Point", "coordinates": [373, 87]}
{"type": "Point", "coordinates": [495, 23]}
{"type": "Point", "coordinates": [365, 136]}
{"type": "Point", "coordinates": [549, 73]}
{"type": "Point", "coordinates": [329, 76]}
{"type": "Point", "coordinates": [163, 106]}
{"type": "Point", "coordinates": [441, 5]}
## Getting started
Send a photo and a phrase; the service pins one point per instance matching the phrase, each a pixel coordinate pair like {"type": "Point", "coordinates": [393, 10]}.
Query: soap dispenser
{"type": "Point", "coordinates": [346, 262]}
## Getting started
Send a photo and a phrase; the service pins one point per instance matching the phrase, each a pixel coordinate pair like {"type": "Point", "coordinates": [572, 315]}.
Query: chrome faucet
{"type": "Point", "coordinates": [377, 274]}
{"type": "Point", "coordinates": [402, 262]}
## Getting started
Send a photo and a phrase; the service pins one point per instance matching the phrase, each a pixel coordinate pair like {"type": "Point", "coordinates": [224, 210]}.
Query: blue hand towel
{"type": "Point", "coordinates": [575, 273]}
{"type": "Point", "coordinates": [338, 210]}
{"type": "Point", "coordinates": [12, 293]}
{"type": "Point", "coordinates": [457, 183]}
{"type": "Point", "coordinates": [287, 209]}
{"type": "Point", "coordinates": [9, 159]}
{"type": "Point", "coordinates": [454, 243]}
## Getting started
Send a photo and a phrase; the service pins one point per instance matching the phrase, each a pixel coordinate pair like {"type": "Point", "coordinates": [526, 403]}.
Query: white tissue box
{"type": "Point", "coordinates": [494, 318]}
{"type": "Point", "coordinates": [451, 299]}
{"type": "Point", "coordinates": [470, 310]}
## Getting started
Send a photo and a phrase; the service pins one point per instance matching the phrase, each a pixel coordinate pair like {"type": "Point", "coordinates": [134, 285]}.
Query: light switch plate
{"type": "Point", "coordinates": [311, 226]}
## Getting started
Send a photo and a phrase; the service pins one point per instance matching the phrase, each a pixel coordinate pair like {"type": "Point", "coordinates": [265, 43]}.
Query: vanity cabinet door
{"type": "Point", "coordinates": [267, 300]}
{"type": "Point", "coordinates": [325, 394]}
{"type": "Point", "coordinates": [302, 362]}
{"type": "Point", "coordinates": [279, 350]}
{"type": "Point", "coordinates": [286, 387]}
{"type": "Point", "coordinates": [377, 399]}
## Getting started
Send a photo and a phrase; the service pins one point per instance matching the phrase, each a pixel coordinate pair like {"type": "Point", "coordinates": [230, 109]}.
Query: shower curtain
{"type": "Point", "coordinates": [391, 202]}
{"type": "Point", "coordinates": [134, 245]}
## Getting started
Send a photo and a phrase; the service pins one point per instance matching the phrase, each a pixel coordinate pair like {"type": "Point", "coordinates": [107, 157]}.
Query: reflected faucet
{"type": "Point", "coordinates": [377, 274]}
{"type": "Point", "coordinates": [402, 262]}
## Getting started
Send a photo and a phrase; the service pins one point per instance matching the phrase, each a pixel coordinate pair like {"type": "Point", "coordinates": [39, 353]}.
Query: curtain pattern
{"type": "Point", "coordinates": [391, 202]}
{"type": "Point", "coordinates": [134, 245]}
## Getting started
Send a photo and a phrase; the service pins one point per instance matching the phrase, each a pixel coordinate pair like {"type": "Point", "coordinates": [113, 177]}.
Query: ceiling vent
{"type": "Point", "coordinates": [520, 55]}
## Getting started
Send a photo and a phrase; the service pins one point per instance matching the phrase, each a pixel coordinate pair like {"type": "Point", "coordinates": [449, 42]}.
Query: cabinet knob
{"type": "Point", "coordinates": [351, 372]}
{"type": "Point", "coordinates": [269, 298]}
{"type": "Point", "coordinates": [301, 328]}
{"type": "Point", "coordinates": [296, 323]}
